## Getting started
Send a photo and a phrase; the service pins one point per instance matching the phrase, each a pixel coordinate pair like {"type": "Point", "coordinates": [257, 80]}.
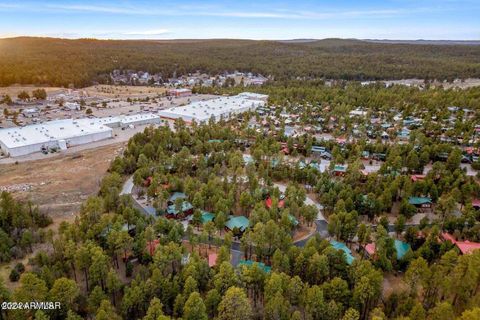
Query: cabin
{"type": "Point", "coordinates": [400, 246]}
{"type": "Point", "coordinates": [339, 170]}
{"type": "Point", "coordinates": [476, 204]}
{"type": "Point", "coordinates": [417, 177]}
{"type": "Point", "coordinates": [343, 247]}
{"type": "Point", "coordinates": [281, 202]}
{"type": "Point", "coordinates": [420, 202]}
{"type": "Point", "coordinates": [249, 263]}
{"type": "Point", "coordinates": [173, 212]}
{"type": "Point", "coordinates": [237, 224]}
{"type": "Point", "coordinates": [465, 247]}
{"type": "Point", "coordinates": [212, 259]}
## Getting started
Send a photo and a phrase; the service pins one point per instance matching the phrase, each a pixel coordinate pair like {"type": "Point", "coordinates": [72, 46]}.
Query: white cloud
{"type": "Point", "coordinates": [185, 10]}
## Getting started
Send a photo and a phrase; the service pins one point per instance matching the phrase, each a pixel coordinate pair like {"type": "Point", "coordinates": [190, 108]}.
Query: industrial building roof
{"type": "Point", "coordinates": [203, 110]}
{"type": "Point", "coordinates": [49, 131]}
{"type": "Point", "coordinates": [126, 119]}
{"type": "Point", "coordinates": [65, 129]}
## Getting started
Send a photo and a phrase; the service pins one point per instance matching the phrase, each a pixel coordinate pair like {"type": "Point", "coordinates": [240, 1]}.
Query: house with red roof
{"type": "Point", "coordinates": [281, 203]}
{"type": "Point", "coordinates": [465, 247]}
{"type": "Point", "coordinates": [476, 204]}
{"type": "Point", "coordinates": [212, 259]}
{"type": "Point", "coordinates": [417, 177]}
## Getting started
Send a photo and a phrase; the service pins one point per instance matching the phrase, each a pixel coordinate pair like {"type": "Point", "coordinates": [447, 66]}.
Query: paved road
{"type": "Point", "coordinates": [127, 186]}
{"type": "Point", "coordinates": [309, 201]}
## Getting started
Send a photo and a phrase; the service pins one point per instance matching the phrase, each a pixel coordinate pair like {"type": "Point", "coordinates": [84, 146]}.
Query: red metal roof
{"type": "Point", "coordinates": [268, 203]}
{"type": "Point", "coordinates": [370, 248]}
{"type": "Point", "coordinates": [465, 247]}
{"type": "Point", "coordinates": [212, 259]}
{"type": "Point", "coordinates": [417, 177]}
{"type": "Point", "coordinates": [476, 202]}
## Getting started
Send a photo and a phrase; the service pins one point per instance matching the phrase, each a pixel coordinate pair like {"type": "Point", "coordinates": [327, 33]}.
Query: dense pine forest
{"type": "Point", "coordinates": [60, 62]}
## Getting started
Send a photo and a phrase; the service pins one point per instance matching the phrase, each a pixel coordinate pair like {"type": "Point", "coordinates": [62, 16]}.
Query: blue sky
{"type": "Point", "coordinates": [271, 19]}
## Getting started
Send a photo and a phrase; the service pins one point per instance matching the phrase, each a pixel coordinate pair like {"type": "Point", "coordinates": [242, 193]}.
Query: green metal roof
{"type": "Point", "coordinates": [402, 248]}
{"type": "Point", "coordinates": [185, 207]}
{"type": "Point", "coordinates": [207, 216]}
{"type": "Point", "coordinates": [342, 246]}
{"type": "Point", "coordinates": [239, 222]}
{"type": "Point", "coordinates": [177, 195]}
{"type": "Point", "coordinates": [293, 219]}
{"type": "Point", "coordinates": [250, 263]}
{"type": "Point", "coordinates": [419, 200]}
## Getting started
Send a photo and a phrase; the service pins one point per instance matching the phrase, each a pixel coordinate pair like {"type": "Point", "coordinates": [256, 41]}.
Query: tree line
{"type": "Point", "coordinates": [61, 62]}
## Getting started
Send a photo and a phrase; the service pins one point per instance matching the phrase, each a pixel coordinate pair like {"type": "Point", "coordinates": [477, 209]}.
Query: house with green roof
{"type": "Point", "coordinates": [293, 220]}
{"type": "Point", "coordinates": [250, 263]}
{"type": "Point", "coordinates": [237, 224]}
{"type": "Point", "coordinates": [207, 216]}
{"type": "Point", "coordinates": [400, 246]}
{"type": "Point", "coordinates": [343, 247]}
{"type": "Point", "coordinates": [339, 170]}
{"type": "Point", "coordinates": [420, 202]}
{"type": "Point", "coordinates": [172, 210]}
{"type": "Point", "coordinates": [185, 210]}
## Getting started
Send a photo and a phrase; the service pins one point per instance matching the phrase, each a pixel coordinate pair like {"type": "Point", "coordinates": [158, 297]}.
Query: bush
{"type": "Point", "coordinates": [19, 267]}
{"type": "Point", "coordinates": [14, 275]}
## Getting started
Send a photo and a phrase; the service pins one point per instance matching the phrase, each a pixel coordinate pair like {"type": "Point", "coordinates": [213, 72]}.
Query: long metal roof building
{"type": "Point", "coordinates": [202, 111]}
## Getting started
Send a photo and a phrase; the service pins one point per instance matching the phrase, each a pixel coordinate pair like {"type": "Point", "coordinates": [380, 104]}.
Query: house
{"type": "Point", "coordinates": [400, 246]}
{"type": "Point", "coordinates": [465, 247]}
{"type": "Point", "coordinates": [404, 134]}
{"type": "Point", "coordinates": [212, 259]}
{"type": "Point", "coordinates": [339, 170]}
{"type": "Point", "coordinates": [417, 177]}
{"type": "Point", "coordinates": [185, 209]}
{"type": "Point", "coordinates": [281, 202]}
{"type": "Point", "coordinates": [31, 112]}
{"type": "Point", "coordinates": [318, 149]}
{"type": "Point", "coordinates": [249, 263]}
{"type": "Point", "coordinates": [237, 224]}
{"type": "Point", "coordinates": [420, 202]}
{"type": "Point", "coordinates": [476, 204]}
{"type": "Point", "coordinates": [341, 246]}
{"type": "Point", "coordinates": [181, 92]}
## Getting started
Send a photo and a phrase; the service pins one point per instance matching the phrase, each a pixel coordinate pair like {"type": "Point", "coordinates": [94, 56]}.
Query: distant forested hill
{"type": "Point", "coordinates": [79, 62]}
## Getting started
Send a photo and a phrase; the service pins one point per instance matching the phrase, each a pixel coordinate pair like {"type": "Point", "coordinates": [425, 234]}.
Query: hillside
{"type": "Point", "coordinates": [62, 62]}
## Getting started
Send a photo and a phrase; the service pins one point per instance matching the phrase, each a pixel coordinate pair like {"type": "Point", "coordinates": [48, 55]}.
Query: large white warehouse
{"type": "Point", "coordinates": [202, 111]}
{"type": "Point", "coordinates": [62, 134]}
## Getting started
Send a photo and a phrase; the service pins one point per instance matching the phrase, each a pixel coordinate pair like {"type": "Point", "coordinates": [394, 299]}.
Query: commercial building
{"type": "Point", "coordinates": [129, 120]}
{"type": "Point", "coordinates": [223, 107]}
{"type": "Point", "coordinates": [62, 134]}
{"type": "Point", "coordinates": [182, 92]}
{"type": "Point", "coordinates": [58, 134]}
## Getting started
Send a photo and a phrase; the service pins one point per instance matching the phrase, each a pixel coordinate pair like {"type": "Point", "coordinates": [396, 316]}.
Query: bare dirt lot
{"type": "Point", "coordinates": [109, 91]}
{"type": "Point", "coordinates": [13, 91]}
{"type": "Point", "coordinates": [60, 184]}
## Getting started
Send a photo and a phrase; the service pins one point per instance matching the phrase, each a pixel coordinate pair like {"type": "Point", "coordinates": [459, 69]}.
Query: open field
{"type": "Point", "coordinates": [110, 91]}
{"type": "Point", "coordinates": [60, 184]}
{"type": "Point", "coordinates": [14, 90]}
